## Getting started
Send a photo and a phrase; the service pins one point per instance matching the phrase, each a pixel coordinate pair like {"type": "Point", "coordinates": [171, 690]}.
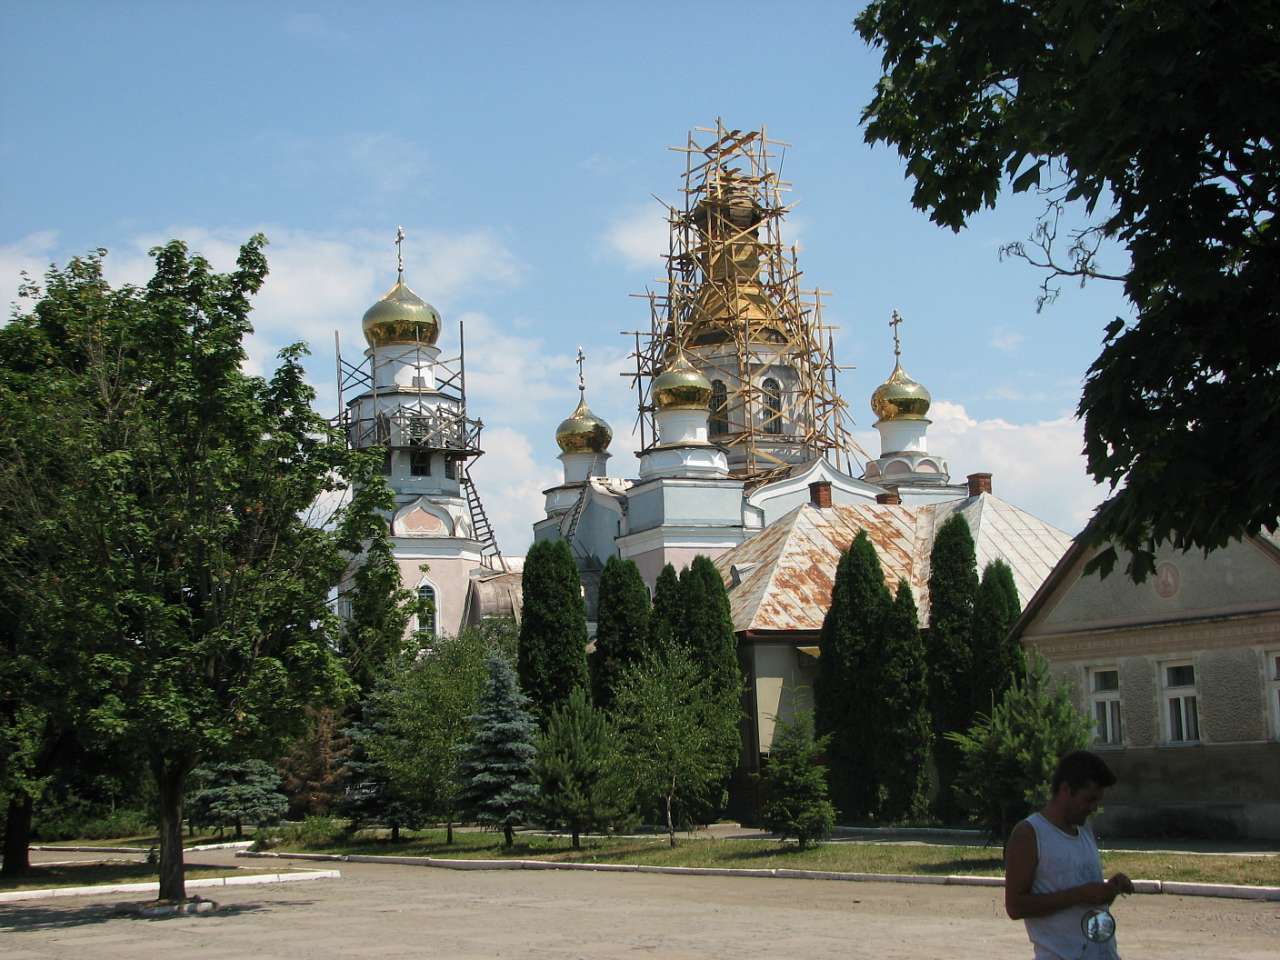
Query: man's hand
{"type": "Point", "coordinates": [1120, 883]}
{"type": "Point", "coordinates": [1094, 894]}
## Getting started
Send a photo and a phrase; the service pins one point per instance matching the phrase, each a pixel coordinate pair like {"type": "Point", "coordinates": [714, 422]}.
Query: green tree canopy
{"type": "Point", "coordinates": [1160, 120]}
{"type": "Point", "coordinates": [553, 627]}
{"type": "Point", "coordinates": [582, 775]}
{"type": "Point", "coordinates": [496, 763]}
{"type": "Point", "coordinates": [374, 635]}
{"type": "Point", "coordinates": [622, 626]}
{"type": "Point", "coordinates": [796, 784]}
{"type": "Point", "coordinates": [905, 730]}
{"type": "Point", "coordinates": [1009, 755]}
{"type": "Point", "coordinates": [233, 794]}
{"type": "Point", "coordinates": [667, 616]}
{"type": "Point", "coordinates": [998, 662]}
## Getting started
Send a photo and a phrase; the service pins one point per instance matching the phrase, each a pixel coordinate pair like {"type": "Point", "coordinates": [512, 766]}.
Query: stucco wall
{"type": "Point", "coordinates": [1228, 688]}
{"type": "Point", "coordinates": [451, 577]}
{"type": "Point", "coordinates": [784, 684]}
{"type": "Point", "coordinates": [1138, 708]}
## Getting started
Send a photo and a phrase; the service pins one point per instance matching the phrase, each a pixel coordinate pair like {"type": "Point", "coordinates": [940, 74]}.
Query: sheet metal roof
{"type": "Point", "coordinates": [781, 579]}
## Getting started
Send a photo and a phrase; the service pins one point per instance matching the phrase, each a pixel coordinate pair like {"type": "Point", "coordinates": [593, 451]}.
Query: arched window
{"type": "Point", "coordinates": [427, 610]}
{"type": "Point", "coordinates": [772, 402]}
{"type": "Point", "coordinates": [719, 408]}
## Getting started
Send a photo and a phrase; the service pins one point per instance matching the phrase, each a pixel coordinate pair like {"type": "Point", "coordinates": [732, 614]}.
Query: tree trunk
{"type": "Point", "coordinates": [449, 832]}
{"type": "Point", "coordinates": [671, 827]}
{"type": "Point", "coordinates": [239, 829]}
{"type": "Point", "coordinates": [395, 833]}
{"type": "Point", "coordinates": [576, 844]}
{"type": "Point", "coordinates": [17, 836]}
{"type": "Point", "coordinates": [171, 779]}
{"type": "Point", "coordinates": [508, 835]}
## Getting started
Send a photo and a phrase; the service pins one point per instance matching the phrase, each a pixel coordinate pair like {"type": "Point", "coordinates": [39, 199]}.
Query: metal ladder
{"type": "Point", "coordinates": [483, 530]}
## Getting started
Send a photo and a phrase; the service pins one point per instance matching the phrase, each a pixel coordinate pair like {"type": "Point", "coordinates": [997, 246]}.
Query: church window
{"type": "Point", "coordinates": [1182, 715]}
{"type": "Point", "coordinates": [419, 462]}
{"type": "Point", "coordinates": [1104, 699]}
{"type": "Point", "coordinates": [719, 408]}
{"type": "Point", "coordinates": [450, 469]}
{"type": "Point", "coordinates": [772, 400]}
{"type": "Point", "coordinates": [427, 610]}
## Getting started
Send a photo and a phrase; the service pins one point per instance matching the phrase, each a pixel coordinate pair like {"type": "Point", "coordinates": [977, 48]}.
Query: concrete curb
{"type": "Point", "coordinates": [55, 849]}
{"type": "Point", "coordinates": [1225, 890]}
{"type": "Point", "coordinates": [258, 878]}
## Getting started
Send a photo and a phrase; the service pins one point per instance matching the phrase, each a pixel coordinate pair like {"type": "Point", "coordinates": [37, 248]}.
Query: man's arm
{"type": "Point", "coordinates": [1020, 862]}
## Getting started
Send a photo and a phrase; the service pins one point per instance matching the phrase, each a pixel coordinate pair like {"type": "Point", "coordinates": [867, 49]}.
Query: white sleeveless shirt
{"type": "Point", "coordinates": [1064, 861]}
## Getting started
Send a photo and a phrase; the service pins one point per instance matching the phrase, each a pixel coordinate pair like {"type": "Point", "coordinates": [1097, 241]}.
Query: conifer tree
{"type": "Point", "coordinates": [844, 694]}
{"type": "Point", "coordinates": [998, 661]}
{"type": "Point", "coordinates": [622, 626]}
{"type": "Point", "coordinates": [796, 784]}
{"type": "Point", "coordinates": [235, 793]}
{"type": "Point", "coordinates": [581, 773]}
{"type": "Point", "coordinates": [553, 627]}
{"type": "Point", "coordinates": [905, 731]}
{"type": "Point", "coordinates": [311, 766]}
{"type": "Point", "coordinates": [953, 587]}
{"type": "Point", "coordinates": [374, 635]}
{"type": "Point", "coordinates": [495, 766]}
{"type": "Point", "coordinates": [667, 616]}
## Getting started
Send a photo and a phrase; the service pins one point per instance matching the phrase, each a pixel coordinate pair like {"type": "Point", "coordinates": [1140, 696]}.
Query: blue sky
{"type": "Point", "coordinates": [521, 146]}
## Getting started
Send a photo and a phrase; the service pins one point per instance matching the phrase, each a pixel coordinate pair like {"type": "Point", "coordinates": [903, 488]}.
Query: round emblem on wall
{"type": "Point", "coordinates": [1167, 580]}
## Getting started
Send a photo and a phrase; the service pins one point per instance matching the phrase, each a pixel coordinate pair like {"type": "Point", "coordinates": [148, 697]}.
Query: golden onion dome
{"type": "Point", "coordinates": [583, 432]}
{"type": "Point", "coordinates": [900, 397]}
{"type": "Point", "coordinates": [681, 387]}
{"type": "Point", "coordinates": [401, 316]}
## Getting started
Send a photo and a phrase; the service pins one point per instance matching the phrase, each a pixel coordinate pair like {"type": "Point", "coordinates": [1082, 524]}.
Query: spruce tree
{"type": "Point", "coordinates": [905, 731]}
{"type": "Point", "coordinates": [953, 588]}
{"type": "Point", "coordinates": [233, 794]}
{"type": "Point", "coordinates": [582, 776]}
{"type": "Point", "coordinates": [553, 627]}
{"type": "Point", "coordinates": [998, 662]}
{"type": "Point", "coordinates": [844, 691]}
{"type": "Point", "coordinates": [380, 612]}
{"type": "Point", "coordinates": [667, 616]}
{"type": "Point", "coordinates": [495, 766]}
{"type": "Point", "coordinates": [622, 626]}
{"type": "Point", "coordinates": [796, 784]}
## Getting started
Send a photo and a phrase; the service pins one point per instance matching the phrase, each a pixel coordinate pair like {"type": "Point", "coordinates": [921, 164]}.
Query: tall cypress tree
{"type": "Point", "coordinates": [667, 616]}
{"type": "Point", "coordinates": [905, 733]}
{"type": "Point", "coordinates": [998, 662]}
{"type": "Point", "coordinates": [953, 588]}
{"type": "Point", "coordinates": [844, 689]}
{"type": "Point", "coordinates": [622, 626]}
{"type": "Point", "coordinates": [553, 627]}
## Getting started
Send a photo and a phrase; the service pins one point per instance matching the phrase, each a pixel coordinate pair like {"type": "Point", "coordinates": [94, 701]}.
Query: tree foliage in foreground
{"type": "Point", "coordinates": [584, 783]}
{"type": "Point", "coordinates": [1008, 757]}
{"type": "Point", "coordinates": [496, 763]}
{"type": "Point", "coordinates": [673, 730]}
{"type": "Point", "coordinates": [905, 730]}
{"type": "Point", "coordinates": [1161, 120]}
{"type": "Point", "coordinates": [553, 627]}
{"type": "Point", "coordinates": [622, 626]}
{"type": "Point", "coordinates": [796, 784]}
{"type": "Point", "coordinates": [998, 661]}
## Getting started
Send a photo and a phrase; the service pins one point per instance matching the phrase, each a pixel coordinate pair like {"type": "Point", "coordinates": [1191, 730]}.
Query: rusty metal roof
{"type": "Point", "coordinates": [780, 579]}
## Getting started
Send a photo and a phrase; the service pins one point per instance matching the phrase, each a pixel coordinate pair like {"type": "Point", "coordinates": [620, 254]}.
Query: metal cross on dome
{"type": "Point", "coordinates": [582, 383]}
{"type": "Point", "coordinates": [400, 254]}
{"type": "Point", "coordinates": [893, 322]}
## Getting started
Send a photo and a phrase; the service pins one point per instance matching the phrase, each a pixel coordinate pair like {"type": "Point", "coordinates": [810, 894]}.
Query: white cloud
{"type": "Point", "coordinates": [32, 254]}
{"type": "Point", "coordinates": [1006, 341]}
{"type": "Point", "coordinates": [639, 237]}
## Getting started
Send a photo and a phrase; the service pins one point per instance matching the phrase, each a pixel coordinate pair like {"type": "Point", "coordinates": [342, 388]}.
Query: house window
{"type": "Point", "coordinates": [719, 408]}
{"type": "Point", "coordinates": [419, 462]}
{"type": "Point", "coordinates": [1182, 714]}
{"type": "Point", "coordinates": [1273, 678]}
{"type": "Point", "coordinates": [450, 469]}
{"type": "Point", "coordinates": [772, 406]}
{"type": "Point", "coordinates": [1104, 697]}
{"type": "Point", "coordinates": [427, 610]}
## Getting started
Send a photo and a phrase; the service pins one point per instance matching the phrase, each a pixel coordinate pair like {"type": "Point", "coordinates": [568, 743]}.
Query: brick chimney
{"type": "Point", "coordinates": [820, 493]}
{"type": "Point", "coordinates": [892, 499]}
{"type": "Point", "coordinates": [979, 483]}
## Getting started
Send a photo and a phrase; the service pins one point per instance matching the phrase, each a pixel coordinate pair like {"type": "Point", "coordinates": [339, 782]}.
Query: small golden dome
{"type": "Point", "coordinates": [583, 432]}
{"type": "Point", "coordinates": [401, 316]}
{"type": "Point", "coordinates": [900, 397]}
{"type": "Point", "coordinates": [681, 387]}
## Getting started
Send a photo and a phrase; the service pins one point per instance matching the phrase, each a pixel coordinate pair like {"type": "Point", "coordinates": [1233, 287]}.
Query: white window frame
{"type": "Point", "coordinates": [432, 629]}
{"type": "Point", "coordinates": [1273, 689]}
{"type": "Point", "coordinates": [1108, 728]}
{"type": "Point", "coordinates": [1182, 698]}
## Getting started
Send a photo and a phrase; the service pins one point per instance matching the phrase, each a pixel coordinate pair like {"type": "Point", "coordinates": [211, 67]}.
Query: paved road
{"type": "Point", "coordinates": [399, 911]}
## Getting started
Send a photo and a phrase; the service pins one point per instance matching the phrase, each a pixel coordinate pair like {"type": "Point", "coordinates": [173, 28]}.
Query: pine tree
{"type": "Point", "coordinates": [622, 626]}
{"type": "Point", "coordinates": [380, 612]}
{"type": "Point", "coordinates": [843, 690]}
{"type": "Point", "coordinates": [496, 765]}
{"type": "Point", "coordinates": [905, 732]}
{"type": "Point", "coordinates": [553, 627]}
{"type": "Point", "coordinates": [668, 610]}
{"type": "Point", "coordinates": [233, 794]}
{"type": "Point", "coordinates": [953, 588]}
{"type": "Point", "coordinates": [796, 784]}
{"type": "Point", "coordinates": [998, 662]}
{"type": "Point", "coordinates": [311, 769]}
{"type": "Point", "coordinates": [1008, 757]}
{"type": "Point", "coordinates": [580, 769]}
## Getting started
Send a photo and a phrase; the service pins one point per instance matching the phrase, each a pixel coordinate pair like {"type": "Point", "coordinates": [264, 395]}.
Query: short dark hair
{"type": "Point", "coordinates": [1080, 768]}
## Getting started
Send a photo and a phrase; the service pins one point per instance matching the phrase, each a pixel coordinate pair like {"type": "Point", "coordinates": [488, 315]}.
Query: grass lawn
{"type": "Point", "coordinates": [85, 874]}
{"type": "Point", "coordinates": [839, 856]}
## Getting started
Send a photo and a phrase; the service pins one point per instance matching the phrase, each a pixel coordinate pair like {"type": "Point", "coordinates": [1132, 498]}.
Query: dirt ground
{"type": "Point", "coordinates": [400, 911]}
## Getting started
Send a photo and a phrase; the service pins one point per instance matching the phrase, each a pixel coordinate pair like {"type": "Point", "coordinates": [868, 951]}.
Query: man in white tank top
{"type": "Point", "coordinates": [1053, 873]}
